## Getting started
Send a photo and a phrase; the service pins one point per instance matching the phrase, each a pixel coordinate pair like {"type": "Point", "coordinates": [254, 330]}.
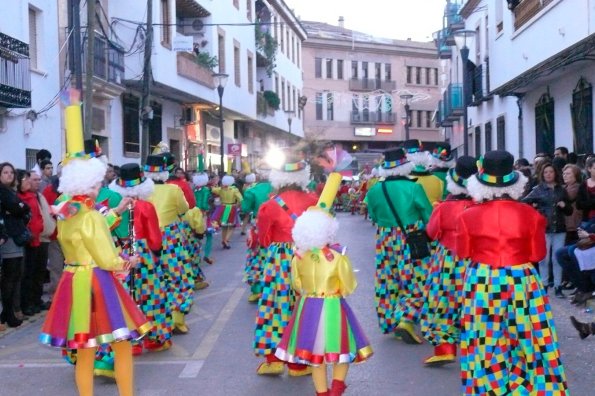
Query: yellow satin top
{"type": "Point", "coordinates": [432, 185]}
{"type": "Point", "coordinates": [169, 203]}
{"type": "Point", "coordinates": [314, 275]}
{"type": "Point", "coordinates": [229, 195]}
{"type": "Point", "coordinates": [196, 220]}
{"type": "Point", "coordinates": [86, 240]}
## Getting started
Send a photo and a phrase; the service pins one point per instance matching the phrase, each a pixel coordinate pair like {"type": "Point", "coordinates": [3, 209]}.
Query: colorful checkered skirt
{"type": "Point", "coordinates": [323, 330]}
{"type": "Point", "coordinates": [399, 280]}
{"type": "Point", "coordinates": [276, 302]}
{"type": "Point", "coordinates": [90, 308]}
{"type": "Point", "coordinates": [177, 268]}
{"type": "Point", "coordinates": [193, 247]}
{"type": "Point", "coordinates": [509, 343]}
{"type": "Point", "coordinates": [226, 215]}
{"type": "Point", "coordinates": [443, 295]}
{"type": "Point", "coordinates": [255, 258]}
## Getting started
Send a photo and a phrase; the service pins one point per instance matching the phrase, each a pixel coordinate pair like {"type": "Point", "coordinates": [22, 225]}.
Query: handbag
{"type": "Point", "coordinates": [17, 230]}
{"type": "Point", "coordinates": [23, 238]}
{"type": "Point", "coordinates": [585, 243]}
{"type": "Point", "coordinates": [417, 240]}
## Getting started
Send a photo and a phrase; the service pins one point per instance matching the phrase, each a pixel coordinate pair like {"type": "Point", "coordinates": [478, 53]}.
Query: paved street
{"type": "Point", "coordinates": [216, 358]}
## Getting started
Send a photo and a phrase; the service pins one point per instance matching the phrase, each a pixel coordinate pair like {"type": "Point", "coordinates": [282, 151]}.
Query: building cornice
{"type": "Point", "coordinates": [468, 8]}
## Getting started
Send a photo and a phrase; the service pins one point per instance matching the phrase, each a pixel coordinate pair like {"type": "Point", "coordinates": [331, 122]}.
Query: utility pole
{"type": "Point", "coordinates": [147, 76]}
{"type": "Point", "coordinates": [89, 70]}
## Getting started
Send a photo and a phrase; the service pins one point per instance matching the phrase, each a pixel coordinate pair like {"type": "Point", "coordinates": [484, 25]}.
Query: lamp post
{"type": "Point", "coordinates": [407, 97]}
{"type": "Point", "coordinates": [461, 38]}
{"type": "Point", "coordinates": [220, 80]}
{"type": "Point", "coordinates": [290, 114]}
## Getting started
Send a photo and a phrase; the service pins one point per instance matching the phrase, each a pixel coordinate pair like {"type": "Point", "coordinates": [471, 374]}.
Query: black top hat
{"type": "Point", "coordinates": [92, 148]}
{"type": "Point", "coordinates": [412, 146]}
{"type": "Point", "coordinates": [495, 169]}
{"type": "Point", "coordinates": [442, 151]}
{"type": "Point", "coordinates": [465, 167]}
{"type": "Point", "coordinates": [394, 157]}
{"type": "Point", "coordinates": [156, 163]}
{"type": "Point", "coordinates": [130, 175]}
{"type": "Point", "coordinates": [170, 161]}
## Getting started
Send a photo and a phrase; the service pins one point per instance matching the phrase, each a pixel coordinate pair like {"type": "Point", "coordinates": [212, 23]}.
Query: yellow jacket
{"type": "Point", "coordinates": [169, 203]}
{"type": "Point", "coordinates": [314, 274]}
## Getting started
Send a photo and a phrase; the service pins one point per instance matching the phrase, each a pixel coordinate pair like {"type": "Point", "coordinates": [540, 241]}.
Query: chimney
{"type": "Point", "coordinates": [341, 22]}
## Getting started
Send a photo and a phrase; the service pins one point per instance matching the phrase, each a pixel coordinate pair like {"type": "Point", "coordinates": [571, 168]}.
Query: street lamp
{"type": "Point", "coordinates": [290, 114]}
{"type": "Point", "coordinates": [407, 97]}
{"type": "Point", "coordinates": [462, 38]}
{"type": "Point", "coordinates": [220, 79]}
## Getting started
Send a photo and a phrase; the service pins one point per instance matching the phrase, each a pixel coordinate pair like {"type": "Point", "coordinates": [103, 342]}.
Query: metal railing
{"type": "Point", "coordinates": [365, 117]}
{"type": "Point", "coordinates": [15, 73]}
{"type": "Point", "coordinates": [108, 61]}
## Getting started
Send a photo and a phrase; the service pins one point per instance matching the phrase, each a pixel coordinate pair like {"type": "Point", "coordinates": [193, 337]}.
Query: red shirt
{"type": "Point", "coordinates": [146, 224]}
{"type": "Point", "coordinates": [443, 222]}
{"type": "Point", "coordinates": [35, 224]}
{"type": "Point", "coordinates": [501, 233]}
{"type": "Point", "coordinates": [186, 189]}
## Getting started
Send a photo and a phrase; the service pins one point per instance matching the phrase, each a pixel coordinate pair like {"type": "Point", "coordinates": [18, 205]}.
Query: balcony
{"type": "Point", "coordinates": [453, 102]}
{"type": "Point", "coordinates": [188, 68]}
{"type": "Point", "coordinates": [108, 61]}
{"type": "Point", "coordinates": [452, 19]}
{"type": "Point", "coordinates": [366, 117]}
{"type": "Point", "coordinates": [15, 74]}
{"type": "Point", "coordinates": [371, 84]}
{"type": "Point", "coordinates": [262, 107]}
{"type": "Point", "coordinates": [441, 120]}
{"type": "Point", "coordinates": [526, 10]}
{"type": "Point", "coordinates": [441, 41]}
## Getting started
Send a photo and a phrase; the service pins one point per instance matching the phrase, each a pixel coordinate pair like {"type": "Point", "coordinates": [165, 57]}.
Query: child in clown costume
{"type": "Point", "coordinates": [90, 306]}
{"type": "Point", "coordinates": [442, 162]}
{"type": "Point", "coordinates": [227, 213]}
{"type": "Point", "coordinates": [509, 344]}
{"type": "Point", "coordinates": [441, 316]}
{"type": "Point", "coordinates": [202, 194]}
{"type": "Point", "coordinates": [323, 329]}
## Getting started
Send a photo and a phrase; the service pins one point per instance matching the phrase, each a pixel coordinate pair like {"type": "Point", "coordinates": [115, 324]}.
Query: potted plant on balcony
{"type": "Point", "coordinates": [267, 46]}
{"type": "Point", "coordinates": [206, 60]}
{"type": "Point", "coordinates": [272, 99]}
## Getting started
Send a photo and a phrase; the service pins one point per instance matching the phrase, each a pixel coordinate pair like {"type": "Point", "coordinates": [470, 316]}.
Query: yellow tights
{"type": "Point", "coordinates": [319, 375]}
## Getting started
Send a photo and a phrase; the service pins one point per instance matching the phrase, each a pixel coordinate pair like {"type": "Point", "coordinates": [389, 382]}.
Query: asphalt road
{"type": "Point", "coordinates": [216, 358]}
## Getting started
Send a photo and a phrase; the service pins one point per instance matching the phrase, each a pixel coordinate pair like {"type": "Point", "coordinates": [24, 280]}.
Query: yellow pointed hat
{"type": "Point", "coordinates": [75, 147]}
{"type": "Point", "coordinates": [329, 192]}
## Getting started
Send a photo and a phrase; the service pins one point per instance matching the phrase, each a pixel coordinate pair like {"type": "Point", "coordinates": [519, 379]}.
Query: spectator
{"type": "Point", "coordinates": [571, 175]}
{"type": "Point", "coordinates": [47, 170]}
{"type": "Point", "coordinates": [110, 175]}
{"type": "Point", "coordinates": [586, 197]}
{"type": "Point", "coordinates": [41, 155]}
{"type": "Point", "coordinates": [561, 152]}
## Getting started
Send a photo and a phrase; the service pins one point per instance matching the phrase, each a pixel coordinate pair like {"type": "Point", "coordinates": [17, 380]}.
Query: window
{"type": "Point", "coordinates": [287, 50]}
{"type": "Point", "coordinates": [282, 37]}
{"type": "Point", "coordinates": [33, 48]}
{"type": "Point", "coordinates": [250, 74]}
{"type": "Point", "coordinates": [501, 133]}
{"type": "Point", "coordinates": [544, 124]}
{"type": "Point", "coordinates": [488, 138]}
{"type": "Point", "coordinates": [378, 71]}
{"type": "Point", "coordinates": [365, 70]}
{"type": "Point", "coordinates": [30, 158]}
{"type": "Point", "coordinates": [236, 4]}
{"type": "Point", "coordinates": [428, 119]}
{"type": "Point", "coordinates": [318, 67]}
{"type": "Point", "coordinates": [435, 76]}
{"type": "Point", "coordinates": [166, 24]}
{"type": "Point", "coordinates": [339, 69]}
{"type": "Point", "coordinates": [237, 63]}
{"type": "Point", "coordinates": [581, 111]}
{"type": "Point", "coordinates": [155, 126]}
{"type": "Point", "coordinates": [419, 122]}
{"type": "Point", "coordinates": [297, 50]}
{"type": "Point", "coordinates": [130, 124]}
{"type": "Point", "coordinates": [354, 70]}
{"type": "Point", "coordinates": [283, 103]}
{"type": "Point", "coordinates": [249, 10]}
{"type": "Point", "coordinates": [355, 103]}
{"type": "Point", "coordinates": [318, 106]}
{"type": "Point", "coordinates": [366, 108]}
{"type": "Point", "coordinates": [329, 106]}
{"type": "Point", "coordinates": [418, 75]}
{"type": "Point", "coordinates": [387, 72]}
{"type": "Point", "coordinates": [293, 48]}
{"type": "Point", "coordinates": [329, 68]}
{"type": "Point", "coordinates": [477, 141]}
{"type": "Point", "coordinates": [428, 76]}
{"type": "Point", "coordinates": [221, 52]}
{"type": "Point", "coordinates": [409, 75]}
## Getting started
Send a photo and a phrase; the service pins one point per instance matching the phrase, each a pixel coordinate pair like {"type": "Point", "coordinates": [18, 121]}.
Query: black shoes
{"type": "Point", "coordinates": [584, 329]}
{"type": "Point", "coordinates": [558, 292]}
{"type": "Point", "coordinates": [10, 319]}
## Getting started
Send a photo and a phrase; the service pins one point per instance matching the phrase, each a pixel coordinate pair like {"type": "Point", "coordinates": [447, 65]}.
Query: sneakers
{"type": "Point", "coordinates": [407, 333]}
{"type": "Point", "coordinates": [273, 368]}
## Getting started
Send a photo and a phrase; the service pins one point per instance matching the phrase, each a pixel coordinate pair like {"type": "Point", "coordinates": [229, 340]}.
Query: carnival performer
{"type": "Point", "coordinates": [148, 286]}
{"type": "Point", "coordinates": [442, 162]}
{"type": "Point", "coordinates": [90, 306]}
{"type": "Point", "coordinates": [422, 159]}
{"type": "Point", "coordinates": [441, 315]}
{"type": "Point", "coordinates": [227, 213]}
{"type": "Point", "coordinates": [323, 329]}
{"type": "Point", "coordinates": [249, 182]}
{"type": "Point", "coordinates": [509, 343]}
{"type": "Point", "coordinates": [399, 279]}
{"type": "Point", "coordinates": [290, 175]}
{"type": "Point", "coordinates": [254, 197]}
{"type": "Point", "coordinates": [170, 204]}
{"type": "Point", "coordinates": [202, 194]}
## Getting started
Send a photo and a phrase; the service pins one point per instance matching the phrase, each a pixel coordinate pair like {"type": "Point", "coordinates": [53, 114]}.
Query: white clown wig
{"type": "Point", "coordinates": [401, 170]}
{"type": "Point", "coordinates": [158, 176]}
{"type": "Point", "coordinates": [453, 187]}
{"type": "Point", "coordinates": [142, 191]}
{"type": "Point", "coordinates": [200, 179]}
{"type": "Point", "coordinates": [281, 179]}
{"type": "Point", "coordinates": [438, 163]}
{"type": "Point", "coordinates": [250, 178]}
{"type": "Point", "coordinates": [227, 180]}
{"type": "Point", "coordinates": [315, 228]}
{"type": "Point", "coordinates": [420, 158]}
{"type": "Point", "coordinates": [80, 176]}
{"type": "Point", "coordinates": [482, 192]}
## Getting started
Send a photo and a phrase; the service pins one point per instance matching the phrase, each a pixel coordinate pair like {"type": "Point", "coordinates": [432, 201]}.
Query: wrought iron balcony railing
{"type": "Point", "coordinates": [15, 73]}
{"type": "Point", "coordinates": [366, 117]}
{"type": "Point", "coordinates": [108, 61]}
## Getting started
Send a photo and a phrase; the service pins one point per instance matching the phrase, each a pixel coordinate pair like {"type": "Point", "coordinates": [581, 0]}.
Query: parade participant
{"type": "Point", "coordinates": [432, 185]}
{"type": "Point", "coordinates": [90, 306]}
{"type": "Point", "coordinates": [509, 343]}
{"type": "Point", "coordinates": [442, 162]}
{"type": "Point", "coordinates": [441, 318]}
{"type": "Point", "coordinates": [254, 197]}
{"type": "Point", "coordinates": [289, 176]}
{"type": "Point", "coordinates": [227, 213]}
{"type": "Point", "coordinates": [147, 286]}
{"type": "Point", "coordinates": [202, 194]}
{"type": "Point", "coordinates": [250, 181]}
{"type": "Point", "coordinates": [170, 204]}
{"type": "Point", "coordinates": [323, 329]}
{"type": "Point", "coordinates": [399, 279]}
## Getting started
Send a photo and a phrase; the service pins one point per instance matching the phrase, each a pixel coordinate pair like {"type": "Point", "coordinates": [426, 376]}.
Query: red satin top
{"type": "Point", "coordinates": [146, 224]}
{"type": "Point", "coordinates": [186, 189]}
{"type": "Point", "coordinates": [274, 224]}
{"type": "Point", "coordinates": [443, 222]}
{"type": "Point", "coordinates": [501, 233]}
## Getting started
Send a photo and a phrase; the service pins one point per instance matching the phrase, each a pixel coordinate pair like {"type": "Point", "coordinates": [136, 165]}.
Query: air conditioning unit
{"type": "Point", "coordinates": [213, 133]}
{"type": "Point", "coordinates": [192, 26]}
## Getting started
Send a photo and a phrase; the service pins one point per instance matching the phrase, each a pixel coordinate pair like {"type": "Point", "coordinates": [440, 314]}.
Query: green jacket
{"type": "Point", "coordinates": [202, 196]}
{"type": "Point", "coordinates": [408, 198]}
{"type": "Point", "coordinates": [256, 196]}
{"type": "Point", "coordinates": [113, 199]}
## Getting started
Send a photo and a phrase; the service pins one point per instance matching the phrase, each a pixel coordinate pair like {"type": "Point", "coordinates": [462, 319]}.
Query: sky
{"type": "Point", "coordinates": [395, 19]}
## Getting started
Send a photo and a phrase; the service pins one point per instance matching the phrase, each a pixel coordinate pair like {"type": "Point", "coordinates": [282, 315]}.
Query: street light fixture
{"type": "Point", "coordinates": [290, 114]}
{"type": "Point", "coordinates": [220, 79]}
{"type": "Point", "coordinates": [463, 38]}
{"type": "Point", "coordinates": [407, 97]}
